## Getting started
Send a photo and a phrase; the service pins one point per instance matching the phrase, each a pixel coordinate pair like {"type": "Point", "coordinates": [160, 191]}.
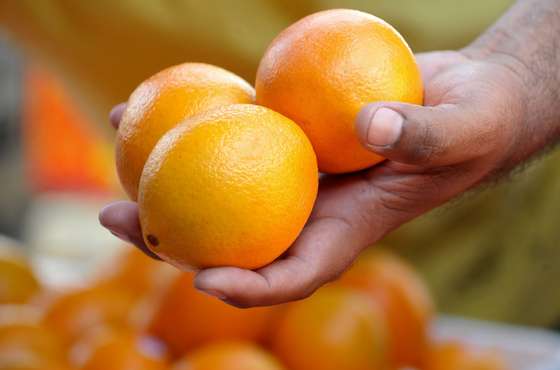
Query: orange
{"type": "Point", "coordinates": [163, 101]}
{"type": "Point", "coordinates": [405, 301]}
{"type": "Point", "coordinates": [136, 273]}
{"type": "Point", "coordinates": [44, 366]}
{"type": "Point", "coordinates": [230, 187]}
{"type": "Point", "coordinates": [229, 356]}
{"type": "Point", "coordinates": [187, 319]}
{"type": "Point", "coordinates": [337, 328]}
{"type": "Point", "coordinates": [458, 356]}
{"type": "Point", "coordinates": [322, 69]}
{"type": "Point", "coordinates": [28, 345]}
{"type": "Point", "coordinates": [73, 314]}
{"type": "Point", "coordinates": [17, 281]}
{"type": "Point", "coordinates": [126, 351]}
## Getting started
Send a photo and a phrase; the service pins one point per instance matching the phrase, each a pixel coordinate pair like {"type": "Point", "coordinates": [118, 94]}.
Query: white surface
{"type": "Point", "coordinates": [524, 348]}
{"type": "Point", "coordinates": [65, 240]}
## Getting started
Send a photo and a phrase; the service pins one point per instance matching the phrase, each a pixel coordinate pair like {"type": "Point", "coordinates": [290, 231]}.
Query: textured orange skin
{"type": "Point", "coordinates": [187, 319]}
{"type": "Point", "coordinates": [17, 281]}
{"type": "Point", "coordinates": [337, 328]}
{"type": "Point", "coordinates": [457, 356]}
{"type": "Point", "coordinates": [163, 101]}
{"type": "Point", "coordinates": [229, 356]}
{"type": "Point", "coordinates": [124, 352]}
{"type": "Point", "coordinates": [72, 314]}
{"type": "Point", "coordinates": [231, 187]}
{"type": "Point", "coordinates": [30, 346]}
{"type": "Point", "coordinates": [323, 69]}
{"type": "Point", "coordinates": [405, 301]}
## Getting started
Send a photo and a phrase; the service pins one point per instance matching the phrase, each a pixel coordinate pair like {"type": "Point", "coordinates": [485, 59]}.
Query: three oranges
{"type": "Point", "coordinates": [222, 182]}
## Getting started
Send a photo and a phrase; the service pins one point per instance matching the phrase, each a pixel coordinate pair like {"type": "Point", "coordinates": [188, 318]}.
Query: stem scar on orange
{"type": "Point", "coordinates": [322, 69]}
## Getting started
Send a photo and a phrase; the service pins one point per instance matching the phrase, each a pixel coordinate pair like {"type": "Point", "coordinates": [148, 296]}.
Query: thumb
{"type": "Point", "coordinates": [414, 134]}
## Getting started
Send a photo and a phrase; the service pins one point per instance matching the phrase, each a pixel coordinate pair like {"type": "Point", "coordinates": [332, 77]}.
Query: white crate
{"type": "Point", "coordinates": [524, 348]}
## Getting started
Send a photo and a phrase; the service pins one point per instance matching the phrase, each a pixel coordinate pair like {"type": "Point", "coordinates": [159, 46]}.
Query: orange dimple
{"type": "Point", "coordinates": [163, 101]}
{"type": "Point", "coordinates": [322, 69]}
{"type": "Point", "coordinates": [337, 328]}
{"type": "Point", "coordinates": [229, 356]}
{"type": "Point", "coordinates": [405, 300]}
{"type": "Point", "coordinates": [230, 187]}
{"type": "Point", "coordinates": [187, 319]}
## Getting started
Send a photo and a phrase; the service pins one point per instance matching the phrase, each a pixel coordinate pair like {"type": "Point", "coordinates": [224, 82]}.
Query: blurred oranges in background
{"type": "Point", "coordinates": [405, 299]}
{"type": "Point", "coordinates": [18, 283]}
{"type": "Point", "coordinates": [350, 324]}
{"type": "Point", "coordinates": [458, 356]}
{"type": "Point", "coordinates": [336, 328]}
{"type": "Point", "coordinates": [124, 350]}
{"type": "Point", "coordinates": [73, 313]}
{"type": "Point", "coordinates": [229, 356]}
{"type": "Point", "coordinates": [187, 318]}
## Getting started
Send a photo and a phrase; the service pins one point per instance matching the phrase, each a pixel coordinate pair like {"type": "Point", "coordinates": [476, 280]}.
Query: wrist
{"type": "Point", "coordinates": [525, 41]}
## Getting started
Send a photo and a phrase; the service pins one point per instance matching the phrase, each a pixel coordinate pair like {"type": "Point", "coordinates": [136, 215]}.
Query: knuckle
{"type": "Point", "coordinates": [422, 145]}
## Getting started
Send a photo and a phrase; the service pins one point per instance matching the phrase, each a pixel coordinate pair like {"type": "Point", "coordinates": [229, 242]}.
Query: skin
{"type": "Point", "coordinates": [488, 108]}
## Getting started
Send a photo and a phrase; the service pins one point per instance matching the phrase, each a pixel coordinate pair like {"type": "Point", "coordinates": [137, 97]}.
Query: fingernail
{"type": "Point", "coordinates": [385, 127]}
{"type": "Point", "coordinates": [214, 293]}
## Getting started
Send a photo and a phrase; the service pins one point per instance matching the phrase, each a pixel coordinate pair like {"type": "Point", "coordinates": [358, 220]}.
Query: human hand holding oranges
{"type": "Point", "coordinates": [320, 73]}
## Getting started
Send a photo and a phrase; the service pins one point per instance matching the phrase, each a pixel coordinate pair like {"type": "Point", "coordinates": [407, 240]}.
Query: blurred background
{"type": "Point", "coordinates": [64, 64]}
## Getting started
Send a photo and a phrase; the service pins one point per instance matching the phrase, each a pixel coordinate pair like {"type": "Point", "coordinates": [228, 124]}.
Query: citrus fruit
{"type": "Point", "coordinates": [404, 298]}
{"type": "Point", "coordinates": [322, 69]}
{"type": "Point", "coordinates": [335, 329]}
{"type": "Point", "coordinates": [127, 351]}
{"type": "Point", "coordinates": [73, 314]}
{"type": "Point", "coordinates": [229, 187]}
{"type": "Point", "coordinates": [164, 100]}
{"type": "Point", "coordinates": [17, 280]}
{"type": "Point", "coordinates": [458, 356]}
{"type": "Point", "coordinates": [136, 273]}
{"type": "Point", "coordinates": [229, 356]}
{"type": "Point", "coordinates": [28, 345]}
{"type": "Point", "coordinates": [42, 366]}
{"type": "Point", "coordinates": [187, 319]}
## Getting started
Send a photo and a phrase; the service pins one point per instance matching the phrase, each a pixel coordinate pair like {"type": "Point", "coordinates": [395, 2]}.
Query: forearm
{"type": "Point", "coordinates": [527, 40]}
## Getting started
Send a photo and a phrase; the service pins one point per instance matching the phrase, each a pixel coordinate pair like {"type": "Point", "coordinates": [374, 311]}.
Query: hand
{"type": "Point", "coordinates": [470, 128]}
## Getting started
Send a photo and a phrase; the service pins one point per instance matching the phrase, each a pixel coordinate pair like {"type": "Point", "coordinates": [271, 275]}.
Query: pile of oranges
{"type": "Point", "coordinates": [142, 314]}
